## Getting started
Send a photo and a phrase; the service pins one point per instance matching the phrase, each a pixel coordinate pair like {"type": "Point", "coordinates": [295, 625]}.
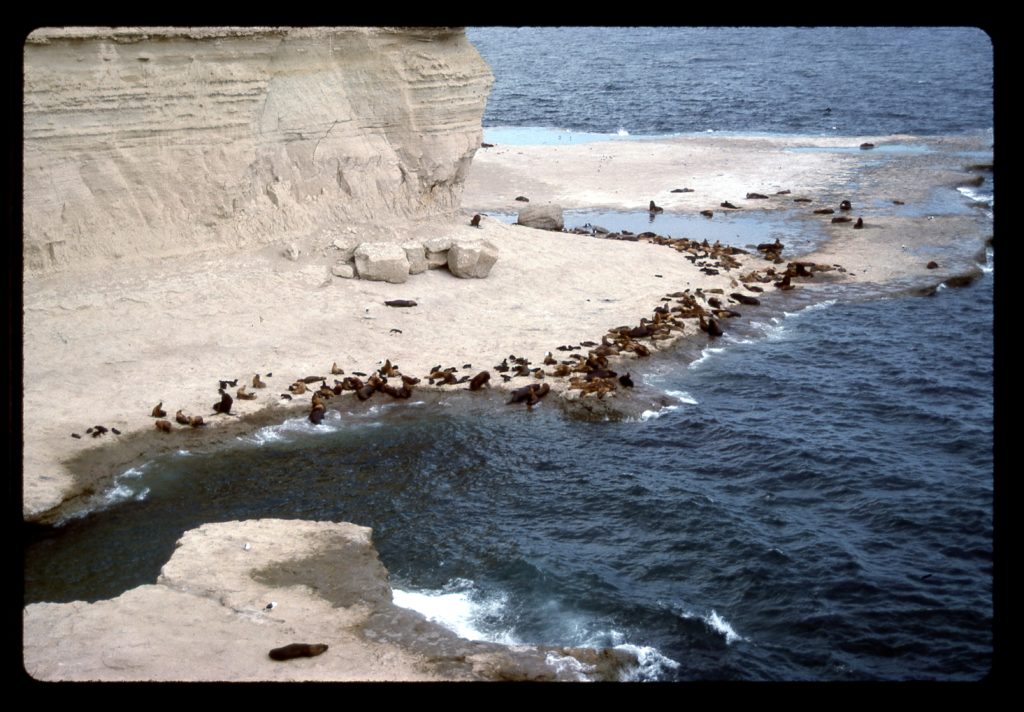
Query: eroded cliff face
{"type": "Point", "coordinates": [152, 143]}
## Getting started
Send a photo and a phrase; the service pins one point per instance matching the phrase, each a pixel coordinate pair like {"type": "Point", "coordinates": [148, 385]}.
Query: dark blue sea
{"type": "Point", "coordinates": [808, 498]}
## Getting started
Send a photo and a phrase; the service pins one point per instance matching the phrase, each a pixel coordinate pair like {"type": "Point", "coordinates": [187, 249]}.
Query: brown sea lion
{"type": "Point", "coordinates": [158, 411]}
{"type": "Point", "coordinates": [400, 303]}
{"type": "Point", "coordinates": [224, 407]}
{"type": "Point", "coordinates": [163, 426]}
{"type": "Point", "coordinates": [301, 650]}
{"type": "Point", "coordinates": [257, 382]}
{"type": "Point", "coordinates": [727, 204]}
{"type": "Point", "coordinates": [241, 394]}
{"type": "Point", "coordinates": [654, 208]}
{"type": "Point", "coordinates": [845, 205]}
{"type": "Point", "coordinates": [196, 421]}
{"type": "Point", "coordinates": [181, 418]}
{"type": "Point", "coordinates": [479, 380]}
{"type": "Point", "coordinates": [335, 371]}
{"type": "Point", "coordinates": [475, 222]}
{"type": "Point", "coordinates": [707, 213]}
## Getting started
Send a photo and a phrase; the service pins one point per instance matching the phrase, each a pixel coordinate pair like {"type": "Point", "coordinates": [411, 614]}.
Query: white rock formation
{"type": "Point", "coordinates": [152, 142]}
{"type": "Point", "coordinates": [437, 251]}
{"type": "Point", "coordinates": [381, 262]}
{"type": "Point", "coordinates": [472, 258]}
{"type": "Point", "coordinates": [417, 256]}
{"type": "Point", "coordinates": [542, 217]}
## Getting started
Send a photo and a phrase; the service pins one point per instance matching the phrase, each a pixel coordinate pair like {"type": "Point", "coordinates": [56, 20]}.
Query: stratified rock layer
{"type": "Point", "coordinates": [142, 143]}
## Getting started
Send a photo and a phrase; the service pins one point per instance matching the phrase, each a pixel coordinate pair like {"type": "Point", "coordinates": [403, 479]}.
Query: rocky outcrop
{"type": "Point", "coordinates": [152, 142]}
{"type": "Point", "coordinates": [381, 262]}
{"type": "Point", "coordinates": [472, 258]}
{"type": "Point", "coordinates": [233, 591]}
{"type": "Point", "coordinates": [542, 217]}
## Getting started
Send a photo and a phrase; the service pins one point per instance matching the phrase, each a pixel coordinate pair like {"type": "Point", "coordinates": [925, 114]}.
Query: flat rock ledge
{"type": "Point", "coordinates": [232, 591]}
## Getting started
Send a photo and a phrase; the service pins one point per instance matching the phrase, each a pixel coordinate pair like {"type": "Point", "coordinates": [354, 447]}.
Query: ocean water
{"type": "Point", "coordinates": [808, 498]}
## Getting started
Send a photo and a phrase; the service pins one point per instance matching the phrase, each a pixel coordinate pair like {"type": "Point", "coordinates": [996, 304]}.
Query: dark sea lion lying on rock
{"type": "Point", "coordinates": [300, 650]}
{"type": "Point", "coordinates": [756, 196]}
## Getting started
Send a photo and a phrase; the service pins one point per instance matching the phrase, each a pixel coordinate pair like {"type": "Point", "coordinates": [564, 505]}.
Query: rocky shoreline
{"type": "Point", "coordinates": [147, 285]}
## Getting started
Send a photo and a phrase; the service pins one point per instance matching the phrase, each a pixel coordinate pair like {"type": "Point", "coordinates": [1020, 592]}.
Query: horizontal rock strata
{"type": "Point", "coordinates": [155, 142]}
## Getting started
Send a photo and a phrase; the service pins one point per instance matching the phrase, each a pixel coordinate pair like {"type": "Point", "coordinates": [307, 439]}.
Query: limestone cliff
{"type": "Point", "coordinates": [158, 142]}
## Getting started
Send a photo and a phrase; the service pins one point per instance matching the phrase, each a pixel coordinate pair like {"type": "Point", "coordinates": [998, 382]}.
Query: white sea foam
{"type": "Point", "coordinates": [459, 608]}
{"type": "Point", "coordinates": [811, 307]}
{"type": "Point", "coordinates": [705, 355]}
{"type": "Point", "coordinates": [682, 397]}
{"type": "Point", "coordinates": [622, 132]}
{"type": "Point", "coordinates": [654, 414]}
{"type": "Point", "coordinates": [183, 453]}
{"type": "Point", "coordinates": [120, 491]}
{"type": "Point", "coordinates": [720, 625]}
{"type": "Point", "coordinates": [715, 622]}
{"type": "Point", "coordinates": [568, 666]}
{"type": "Point", "coordinates": [651, 664]}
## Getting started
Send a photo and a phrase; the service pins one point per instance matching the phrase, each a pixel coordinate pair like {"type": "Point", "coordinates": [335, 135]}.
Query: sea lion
{"type": "Point", "coordinates": [225, 384]}
{"type": "Point", "coordinates": [802, 200]}
{"type": "Point", "coordinates": [335, 371]}
{"type": "Point", "coordinates": [866, 146]}
{"type": "Point", "coordinates": [626, 381]}
{"type": "Point", "coordinates": [163, 426]}
{"type": "Point", "coordinates": [298, 388]}
{"type": "Point", "coordinates": [257, 382]}
{"type": "Point", "coordinates": [241, 394]}
{"type": "Point", "coordinates": [744, 299]}
{"type": "Point", "coordinates": [158, 411]}
{"type": "Point", "coordinates": [400, 303]}
{"type": "Point", "coordinates": [707, 213]}
{"type": "Point", "coordinates": [654, 208]}
{"type": "Point", "coordinates": [316, 415]}
{"type": "Point", "coordinates": [475, 222]}
{"type": "Point", "coordinates": [824, 211]}
{"type": "Point", "coordinates": [181, 418]}
{"type": "Point", "coordinates": [76, 436]}
{"type": "Point", "coordinates": [522, 199]}
{"type": "Point", "coordinates": [479, 380]}
{"type": "Point", "coordinates": [314, 379]}
{"type": "Point", "coordinates": [842, 219]}
{"type": "Point", "coordinates": [932, 265]}
{"type": "Point", "coordinates": [681, 190]}
{"type": "Point", "coordinates": [486, 145]}
{"type": "Point", "coordinates": [196, 421]}
{"type": "Point", "coordinates": [859, 225]}
{"type": "Point", "coordinates": [727, 204]}
{"type": "Point", "coordinates": [304, 650]}
{"type": "Point", "coordinates": [224, 407]}
{"type": "Point", "coordinates": [756, 196]}
{"type": "Point", "coordinates": [846, 205]}
{"type": "Point", "coordinates": [115, 431]}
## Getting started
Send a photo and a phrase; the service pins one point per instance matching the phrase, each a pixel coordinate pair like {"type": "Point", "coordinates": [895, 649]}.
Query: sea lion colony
{"type": "Point", "coordinates": [590, 375]}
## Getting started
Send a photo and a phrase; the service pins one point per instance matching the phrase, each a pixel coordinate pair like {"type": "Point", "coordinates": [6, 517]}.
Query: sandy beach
{"type": "Point", "coordinates": [111, 337]}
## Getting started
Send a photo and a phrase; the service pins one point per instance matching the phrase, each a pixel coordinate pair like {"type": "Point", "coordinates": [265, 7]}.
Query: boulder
{"type": "Point", "coordinates": [417, 256]}
{"type": "Point", "coordinates": [344, 270]}
{"type": "Point", "coordinates": [346, 247]}
{"type": "Point", "coordinates": [437, 251]}
{"type": "Point", "coordinates": [472, 258]}
{"type": "Point", "coordinates": [381, 262]}
{"type": "Point", "coordinates": [542, 217]}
